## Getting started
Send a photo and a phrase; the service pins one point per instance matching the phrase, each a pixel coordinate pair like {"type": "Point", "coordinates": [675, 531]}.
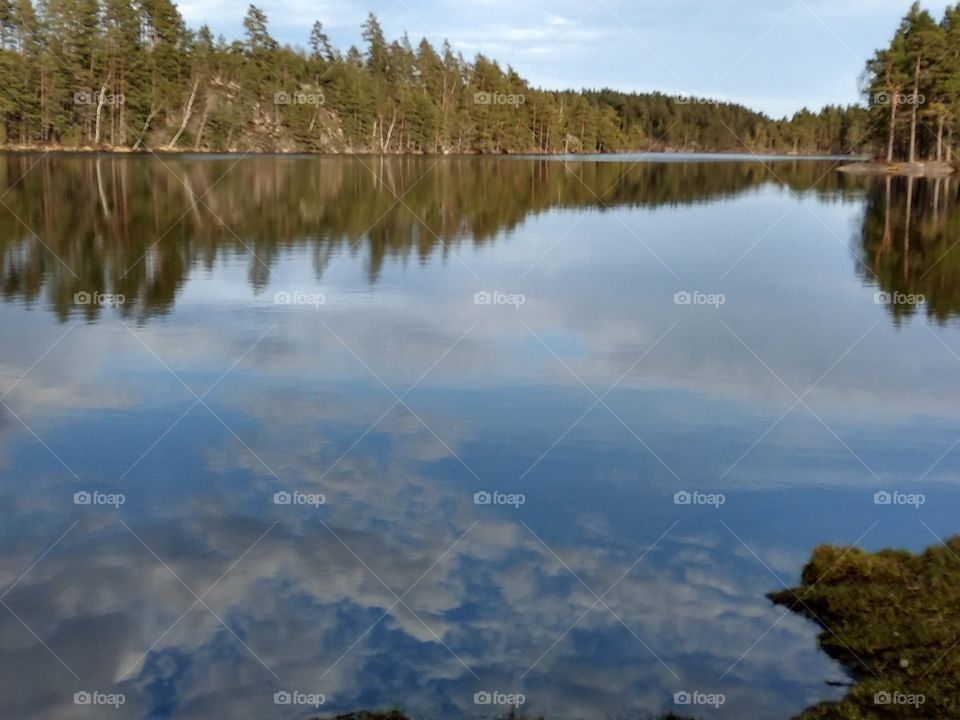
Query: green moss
{"type": "Point", "coordinates": [892, 618]}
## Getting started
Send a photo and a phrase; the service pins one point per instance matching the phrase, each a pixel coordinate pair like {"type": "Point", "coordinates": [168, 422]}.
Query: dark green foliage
{"type": "Point", "coordinates": [123, 74]}
{"type": "Point", "coordinates": [912, 89]}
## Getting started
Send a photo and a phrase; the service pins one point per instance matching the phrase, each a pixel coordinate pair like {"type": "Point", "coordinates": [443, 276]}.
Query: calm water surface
{"type": "Point", "coordinates": [323, 368]}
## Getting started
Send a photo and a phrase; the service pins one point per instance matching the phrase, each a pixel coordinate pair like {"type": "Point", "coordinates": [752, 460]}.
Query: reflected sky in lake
{"type": "Point", "coordinates": [587, 387]}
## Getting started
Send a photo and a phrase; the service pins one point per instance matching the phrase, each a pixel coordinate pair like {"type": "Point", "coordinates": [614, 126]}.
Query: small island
{"type": "Point", "coordinates": [931, 168]}
{"type": "Point", "coordinates": [913, 97]}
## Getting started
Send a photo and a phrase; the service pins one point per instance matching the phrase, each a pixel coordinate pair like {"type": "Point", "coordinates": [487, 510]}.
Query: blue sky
{"type": "Point", "coordinates": [774, 55]}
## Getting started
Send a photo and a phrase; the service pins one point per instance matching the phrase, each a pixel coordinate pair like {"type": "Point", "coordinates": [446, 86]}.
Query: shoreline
{"type": "Point", "coordinates": [124, 151]}
{"type": "Point", "coordinates": [887, 616]}
{"type": "Point", "coordinates": [923, 168]}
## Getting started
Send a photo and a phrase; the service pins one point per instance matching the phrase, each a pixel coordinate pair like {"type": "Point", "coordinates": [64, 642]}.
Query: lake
{"type": "Point", "coordinates": [293, 436]}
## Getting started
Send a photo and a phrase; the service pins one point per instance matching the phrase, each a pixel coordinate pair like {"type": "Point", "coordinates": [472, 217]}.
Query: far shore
{"type": "Point", "coordinates": [656, 151]}
{"type": "Point", "coordinates": [923, 168]}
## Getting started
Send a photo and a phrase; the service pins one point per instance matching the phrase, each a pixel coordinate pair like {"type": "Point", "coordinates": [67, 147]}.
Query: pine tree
{"type": "Point", "coordinates": [923, 40]}
{"type": "Point", "coordinates": [128, 73]}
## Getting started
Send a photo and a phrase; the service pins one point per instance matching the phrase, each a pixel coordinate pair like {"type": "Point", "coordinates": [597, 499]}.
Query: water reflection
{"type": "Point", "coordinates": [400, 398]}
{"type": "Point", "coordinates": [137, 227]}
{"type": "Point", "coordinates": [288, 616]}
{"type": "Point", "coordinates": [909, 239]}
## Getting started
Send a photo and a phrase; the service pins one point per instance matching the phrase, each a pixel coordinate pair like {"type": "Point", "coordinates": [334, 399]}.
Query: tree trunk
{"type": "Point", "coordinates": [186, 115]}
{"type": "Point", "coordinates": [122, 130]}
{"type": "Point", "coordinates": [393, 121]}
{"type": "Point", "coordinates": [203, 123]}
{"type": "Point", "coordinates": [916, 108]}
{"type": "Point", "coordinates": [100, 101]}
{"type": "Point", "coordinates": [146, 125]}
{"type": "Point", "coordinates": [893, 126]}
{"type": "Point", "coordinates": [940, 139]}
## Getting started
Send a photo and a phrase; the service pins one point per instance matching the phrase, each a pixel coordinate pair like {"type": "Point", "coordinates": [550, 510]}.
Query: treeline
{"type": "Point", "coordinates": [131, 75]}
{"type": "Point", "coordinates": [913, 88]}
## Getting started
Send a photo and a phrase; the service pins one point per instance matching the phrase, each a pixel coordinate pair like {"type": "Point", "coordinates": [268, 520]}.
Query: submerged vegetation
{"type": "Point", "coordinates": [119, 74]}
{"type": "Point", "coordinates": [891, 619]}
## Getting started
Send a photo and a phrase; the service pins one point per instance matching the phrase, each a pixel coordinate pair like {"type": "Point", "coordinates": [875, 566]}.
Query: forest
{"type": "Point", "coordinates": [130, 75]}
{"type": "Point", "coordinates": [913, 89]}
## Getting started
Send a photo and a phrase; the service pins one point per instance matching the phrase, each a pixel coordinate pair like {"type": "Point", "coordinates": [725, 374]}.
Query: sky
{"type": "Point", "coordinates": [773, 55]}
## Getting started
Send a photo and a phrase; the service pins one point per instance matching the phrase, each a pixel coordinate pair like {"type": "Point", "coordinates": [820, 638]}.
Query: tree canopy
{"type": "Point", "coordinates": [131, 75]}
{"type": "Point", "coordinates": [912, 88]}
